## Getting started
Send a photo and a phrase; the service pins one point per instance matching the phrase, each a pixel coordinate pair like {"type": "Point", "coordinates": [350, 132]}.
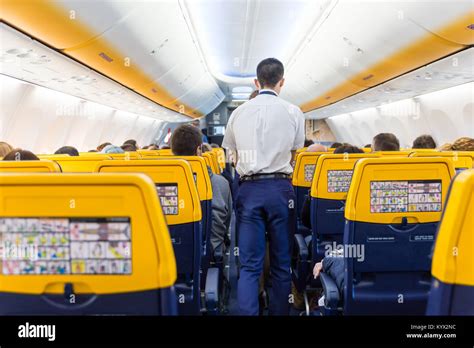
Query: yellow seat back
{"type": "Point", "coordinates": [402, 153]}
{"type": "Point", "coordinates": [45, 166]}
{"type": "Point", "coordinates": [77, 164]}
{"type": "Point", "coordinates": [211, 161]}
{"type": "Point", "coordinates": [104, 234]}
{"type": "Point", "coordinates": [384, 190]}
{"type": "Point", "coordinates": [453, 260]}
{"type": "Point", "coordinates": [149, 153]}
{"type": "Point", "coordinates": [220, 153]}
{"type": "Point", "coordinates": [174, 184]}
{"type": "Point", "coordinates": [333, 173]}
{"type": "Point", "coordinates": [125, 156]}
{"type": "Point", "coordinates": [461, 159]}
{"type": "Point", "coordinates": [303, 172]}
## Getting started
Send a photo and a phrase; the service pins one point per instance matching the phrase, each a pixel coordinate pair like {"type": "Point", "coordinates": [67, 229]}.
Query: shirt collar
{"type": "Point", "coordinates": [268, 90]}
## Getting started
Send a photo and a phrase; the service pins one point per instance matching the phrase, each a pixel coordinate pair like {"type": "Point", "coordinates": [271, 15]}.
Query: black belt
{"type": "Point", "coordinates": [265, 176]}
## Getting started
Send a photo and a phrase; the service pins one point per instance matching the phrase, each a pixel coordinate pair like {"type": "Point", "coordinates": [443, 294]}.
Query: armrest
{"type": "Point", "coordinates": [302, 247]}
{"type": "Point", "coordinates": [211, 290]}
{"type": "Point", "coordinates": [331, 292]}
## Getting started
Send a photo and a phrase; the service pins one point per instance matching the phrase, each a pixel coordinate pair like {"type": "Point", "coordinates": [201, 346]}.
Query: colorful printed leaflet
{"type": "Point", "coordinates": [339, 180]}
{"type": "Point", "coordinates": [405, 196]}
{"type": "Point", "coordinates": [65, 246]}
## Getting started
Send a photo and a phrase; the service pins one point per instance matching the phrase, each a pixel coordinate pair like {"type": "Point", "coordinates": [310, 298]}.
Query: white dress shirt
{"type": "Point", "coordinates": [263, 131]}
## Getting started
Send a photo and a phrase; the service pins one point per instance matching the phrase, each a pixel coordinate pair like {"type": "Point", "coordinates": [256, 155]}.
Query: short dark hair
{"type": "Point", "coordinates": [185, 140]}
{"type": "Point", "coordinates": [386, 142]}
{"type": "Point", "coordinates": [128, 147]}
{"type": "Point", "coordinates": [424, 142]}
{"type": "Point", "coordinates": [347, 148]}
{"type": "Point", "coordinates": [335, 145]}
{"type": "Point", "coordinates": [131, 142]}
{"type": "Point", "coordinates": [308, 142]}
{"type": "Point", "coordinates": [367, 146]}
{"type": "Point", "coordinates": [269, 72]}
{"type": "Point", "coordinates": [20, 155]}
{"type": "Point", "coordinates": [67, 150]}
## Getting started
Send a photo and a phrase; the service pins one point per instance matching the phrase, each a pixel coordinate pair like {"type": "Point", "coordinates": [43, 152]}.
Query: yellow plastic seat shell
{"type": "Point", "coordinates": [327, 162]}
{"type": "Point", "coordinates": [77, 164]}
{"type": "Point", "coordinates": [453, 258]}
{"type": "Point", "coordinates": [302, 160]}
{"type": "Point", "coordinates": [461, 159]}
{"type": "Point", "coordinates": [82, 195]}
{"type": "Point", "coordinates": [164, 171]}
{"type": "Point", "coordinates": [394, 168]}
{"type": "Point", "coordinates": [46, 166]}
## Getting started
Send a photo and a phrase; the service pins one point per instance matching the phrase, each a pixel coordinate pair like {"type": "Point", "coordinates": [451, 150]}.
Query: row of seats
{"type": "Point", "coordinates": [87, 161]}
{"type": "Point", "coordinates": [394, 276]}
{"type": "Point", "coordinates": [185, 193]}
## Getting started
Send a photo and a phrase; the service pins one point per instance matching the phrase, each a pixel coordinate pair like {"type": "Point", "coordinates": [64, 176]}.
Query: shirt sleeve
{"type": "Point", "coordinates": [300, 133]}
{"type": "Point", "coordinates": [229, 139]}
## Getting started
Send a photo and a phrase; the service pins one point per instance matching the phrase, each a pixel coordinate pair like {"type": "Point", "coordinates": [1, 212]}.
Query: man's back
{"type": "Point", "coordinates": [263, 131]}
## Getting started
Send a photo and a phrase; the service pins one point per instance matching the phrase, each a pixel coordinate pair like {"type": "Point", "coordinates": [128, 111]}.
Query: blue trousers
{"type": "Point", "coordinates": [265, 205]}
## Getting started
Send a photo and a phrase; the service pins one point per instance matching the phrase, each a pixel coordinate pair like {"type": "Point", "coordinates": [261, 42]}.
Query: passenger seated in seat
{"type": "Point", "coordinates": [348, 148]}
{"type": "Point", "coordinates": [187, 141]}
{"type": "Point", "coordinates": [385, 142]}
{"type": "Point", "coordinates": [305, 210]}
{"type": "Point", "coordinates": [101, 146]}
{"type": "Point", "coordinates": [335, 145]}
{"type": "Point", "coordinates": [463, 144]}
{"type": "Point", "coordinates": [308, 142]}
{"type": "Point", "coordinates": [4, 148]}
{"type": "Point", "coordinates": [68, 150]}
{"type": "Point", "coordinates": [316, 148]}
{"type": "Point", "coordinates": [424, 142]}
{"type": "Point", "coordinates": [132, 142]}
{"type": "Point", "coordinates": [128, 147]}
{"type": "Point", "coordinates": [20, 155]}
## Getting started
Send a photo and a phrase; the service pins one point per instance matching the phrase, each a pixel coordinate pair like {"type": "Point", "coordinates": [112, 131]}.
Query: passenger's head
{"type": "Point", "coordinates": [93, 150]}
{"type": "Point", "coordinates": [367, 146]}
{"type": "Point", "coordinates": [131, 142]}
{"type": "Point", "coordinates": [446, 147]}
{"type": "Point", "coordinates": [308, 142]}
{"type": "Point", "coordinates": [101, 146]}
{"type": "Point", "coordinates": [214, 145]}
{"type": "Point", "coordinates": [112, 149]}
{"type": "Point", "coordinates": [463, 144]}
{"type": "Point", "coordinates": [67, 150]}
{"type": "Point", "coordinates": [316, 148]}
{"type": "Point", "coordinates": [424, 142]}
{"type": "Point", "coordinates": [186, 140]}
{"type": "Point", "coordinates": [254, 94]}
{"type": "Point", "coordinates": [385, 142]}
{"type": "Point", "coordinates": [20, 155]}
{"type": "Point", "coordinates": [4, 148]}
{"type": "Point", "coordinates": [165, 147]}
{"type": "Point", "coordinates": [206, 147]}
{"type": "Point", "coordinates": [128, 147]}
{"type": "Point", "coordinates": [347, 148]}
{"type": "Point", "coordinates": [335, 145]}
{"type": "Point", "coordinates": [270, 74]}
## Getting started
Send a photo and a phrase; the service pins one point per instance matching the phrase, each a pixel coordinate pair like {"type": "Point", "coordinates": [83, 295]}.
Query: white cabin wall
{"type": "Point", "coordinates": [446, 114]}
{"type": "Point", "coordinates": [42, 120]}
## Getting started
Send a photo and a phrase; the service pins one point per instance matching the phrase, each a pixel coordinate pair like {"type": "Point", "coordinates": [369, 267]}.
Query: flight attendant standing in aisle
{"type": "Point", "coordinates": [264, 134]}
